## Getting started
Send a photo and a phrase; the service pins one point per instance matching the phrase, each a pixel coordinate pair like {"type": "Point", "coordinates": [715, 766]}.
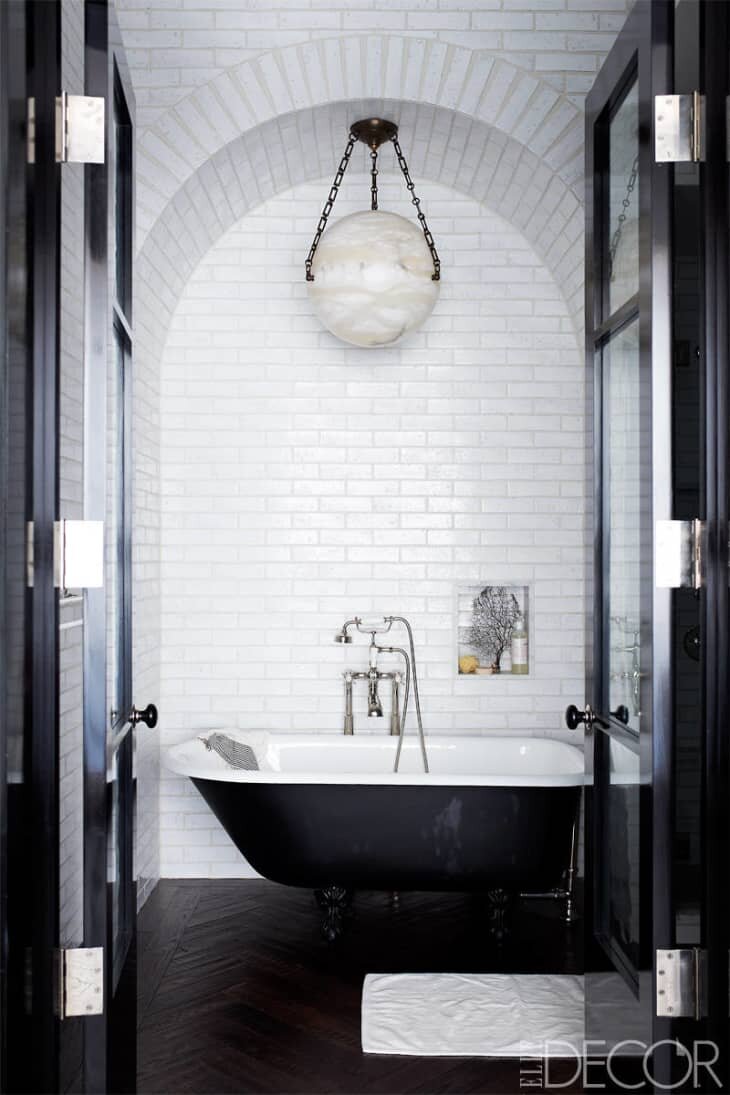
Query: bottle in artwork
{"type": "Point", "coordinates": [519, 647]}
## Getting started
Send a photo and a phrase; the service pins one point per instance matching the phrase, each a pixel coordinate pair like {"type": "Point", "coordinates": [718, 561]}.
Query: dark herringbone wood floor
{"type": "Point", "coordinates": [238, 992]}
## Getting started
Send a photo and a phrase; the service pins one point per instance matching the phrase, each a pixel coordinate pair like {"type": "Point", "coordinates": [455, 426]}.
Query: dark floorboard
{"type": "Point", "coordinates": [239, 993]}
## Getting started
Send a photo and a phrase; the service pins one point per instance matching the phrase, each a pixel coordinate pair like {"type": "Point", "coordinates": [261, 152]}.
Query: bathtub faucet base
{"type": "Point", "coordinates": [373, 677]}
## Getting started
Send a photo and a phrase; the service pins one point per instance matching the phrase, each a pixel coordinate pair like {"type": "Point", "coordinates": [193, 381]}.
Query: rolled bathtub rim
{"type": "Point", "coordinates": [191, 758]}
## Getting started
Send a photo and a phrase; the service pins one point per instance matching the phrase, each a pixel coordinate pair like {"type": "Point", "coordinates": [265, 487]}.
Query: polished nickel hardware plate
{"type": "Point", "coordinates": [79, 128]}
{"type": "Point", "coordinates": [681, 983]}
{"type": "Point", "coordinates": [80, 981]}
{"type": "Point", "coordinates": [678, 128]}
{"type": "Point", "coordinates": [678, 554]}
{"type": "Point", "coordinates": [78, 554]}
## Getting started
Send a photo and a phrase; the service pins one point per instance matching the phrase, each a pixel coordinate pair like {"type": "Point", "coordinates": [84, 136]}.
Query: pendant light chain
{"type": "Point", "coordinates": [373, 178]}
{"type": "Point", "coordinates": [332, 197]}
{"type": "Point", "coordinates": [436, 276]}
{"type": "Point", "coordinates": [335, 188]}
{"type": "Point", "coordinates": [616, 238]}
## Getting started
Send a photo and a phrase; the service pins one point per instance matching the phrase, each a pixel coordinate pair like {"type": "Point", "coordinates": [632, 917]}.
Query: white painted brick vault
{"type": "Point", "coordinates": [243, 104]}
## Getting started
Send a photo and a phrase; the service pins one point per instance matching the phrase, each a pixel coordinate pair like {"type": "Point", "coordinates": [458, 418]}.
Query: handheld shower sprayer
{"type": "Point", "coordinates": [375, 626]}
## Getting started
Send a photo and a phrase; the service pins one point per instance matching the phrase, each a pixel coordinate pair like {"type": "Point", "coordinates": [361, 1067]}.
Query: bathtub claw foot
{"type": "Point", "coordinates": [336, 902]}
{"type": "Point", "coordinates": [500, 908]}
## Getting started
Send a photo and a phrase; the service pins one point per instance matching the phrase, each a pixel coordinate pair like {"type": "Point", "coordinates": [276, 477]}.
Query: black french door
{"type": "Point", "coordinates": [627, 345]}
{"type": "Point", "coordinates": [657, 684]}
{"type": "Point", "coordinates": [67, 778]}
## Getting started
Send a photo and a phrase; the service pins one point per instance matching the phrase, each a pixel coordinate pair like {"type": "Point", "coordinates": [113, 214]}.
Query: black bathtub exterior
{"type": "Point", "coordinates": [399, 837]}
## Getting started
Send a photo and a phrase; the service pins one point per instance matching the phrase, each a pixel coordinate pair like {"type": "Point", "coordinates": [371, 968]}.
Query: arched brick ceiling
{"type": "Point", "coordinates": [410, 70]}
{"type": "Point", "coordinates": [441, 145]}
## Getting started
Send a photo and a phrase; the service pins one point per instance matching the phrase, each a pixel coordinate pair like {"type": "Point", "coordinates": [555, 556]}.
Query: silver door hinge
{"type": "Point", "coordinates": [678, 554]}
{"type": "Point", "coordinates": [80, 987]}
{"type": "Point", "coordinates": [681, 983]}
{"type": "Point", "coordinates": [679, 128]}
{"type": "Point", "coordinates": [78, 554]}
{"type": "Point", "coordinates": [79, 128]}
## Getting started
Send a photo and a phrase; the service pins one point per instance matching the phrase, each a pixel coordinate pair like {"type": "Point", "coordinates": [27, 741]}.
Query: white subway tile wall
{"type": "Point", "coordinates": [304, 481]}
{"type": "Point", "coordinates": [240, 100]}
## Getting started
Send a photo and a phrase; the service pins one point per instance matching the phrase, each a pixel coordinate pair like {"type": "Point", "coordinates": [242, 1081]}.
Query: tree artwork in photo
{"type": "Point", "coordinates": [494, 613]}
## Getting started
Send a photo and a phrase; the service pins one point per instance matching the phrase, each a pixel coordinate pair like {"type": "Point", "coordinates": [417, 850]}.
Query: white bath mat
{"type": "Point", "coordinates": [473, 1015]}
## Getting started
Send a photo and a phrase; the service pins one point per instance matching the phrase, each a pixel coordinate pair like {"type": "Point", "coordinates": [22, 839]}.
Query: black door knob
{"type": "Point", "coordinates": [622, 714]}
{"type": "Point", "coordinates": [574, 717]}
{"type": "Point", "coordinates": [148, 716]}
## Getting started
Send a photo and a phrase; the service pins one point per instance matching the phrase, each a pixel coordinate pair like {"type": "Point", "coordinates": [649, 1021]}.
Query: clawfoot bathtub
{"type": "Point", "coordinates": [494, 814]}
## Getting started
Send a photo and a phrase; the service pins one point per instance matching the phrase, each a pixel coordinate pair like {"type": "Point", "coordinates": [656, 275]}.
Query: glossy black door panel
{"type": "Point", "coordinates": [15, 488]}
{"type": "Point", "coordinates": [54, 792]}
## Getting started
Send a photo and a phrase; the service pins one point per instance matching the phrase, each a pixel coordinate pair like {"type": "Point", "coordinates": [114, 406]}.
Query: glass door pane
{"type": "Point", "coordinates": [622, 474]}
{"type": "Point", "coordinates": [623, 199]}
{"type": "Point", "coordinates": [617, 790]}
{"type": "Point", "coordinates": [121, 775]}
{"type": "Point", "coordinates": [120, 791]}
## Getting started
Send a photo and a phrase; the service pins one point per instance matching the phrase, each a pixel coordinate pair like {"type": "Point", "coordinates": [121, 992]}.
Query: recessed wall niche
{"type": "Point", "coordinates": [493, 630]}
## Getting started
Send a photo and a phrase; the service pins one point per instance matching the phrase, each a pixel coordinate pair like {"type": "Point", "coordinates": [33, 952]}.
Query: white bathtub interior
{"type": "Point", "coordinates": [458, 760]}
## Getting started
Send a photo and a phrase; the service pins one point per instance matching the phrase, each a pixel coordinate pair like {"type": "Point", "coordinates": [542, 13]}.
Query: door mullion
{"type": "Point", "coordinates": [44, 656]}
{"type": "Point", "coordinates": [96, 198]}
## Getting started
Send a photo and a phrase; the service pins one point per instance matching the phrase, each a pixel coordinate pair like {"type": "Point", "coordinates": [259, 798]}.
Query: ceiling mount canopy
{"type": "Point", "coordinates": [375, 276]}
{"type": "Point", "coordinates": [374, 131]}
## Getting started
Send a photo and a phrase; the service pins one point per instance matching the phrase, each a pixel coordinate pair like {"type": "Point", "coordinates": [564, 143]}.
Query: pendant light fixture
{"type": "Point", "coordinates": [373, 276]}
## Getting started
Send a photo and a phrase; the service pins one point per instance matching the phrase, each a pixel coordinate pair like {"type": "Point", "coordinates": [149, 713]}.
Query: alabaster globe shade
{"type": "Point", "coordinates": [373, 278]}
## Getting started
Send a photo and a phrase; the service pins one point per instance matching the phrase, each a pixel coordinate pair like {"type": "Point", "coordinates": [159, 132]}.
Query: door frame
{"type": "Point", "coordinates": [38, 1053]}
{"type": "Point", "coordinates": [715, 619]}
{"type": "Point", "coordinates": [110, 1041]}
{"type": "Point", "coordinates": [643, 47]}
{"type": "Point", "coordinates": [41, 751]}
{"type": "Point", "coordinates": [5, 149]}
{"type": "Point", "coordinates": [119, 320]}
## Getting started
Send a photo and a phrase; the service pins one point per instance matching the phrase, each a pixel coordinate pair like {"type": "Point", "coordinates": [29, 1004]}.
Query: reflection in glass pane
{"type": "Point", "coordinates": [122, 200]}
{"type": "Point", "coordinates": [114, 524]}
{"type": "Point", "coordinates": [622, 473]}
{"type": "Point", "coordinates": [687, 503]}
{"type": "Point", "coordinates": [623, 202]}
{"type": "Point", "coordinates": [120, 853]}
{"type": "Point", "coordinates": [621, 812]}
{"type": "Point", "coordinates": [113, 864]}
